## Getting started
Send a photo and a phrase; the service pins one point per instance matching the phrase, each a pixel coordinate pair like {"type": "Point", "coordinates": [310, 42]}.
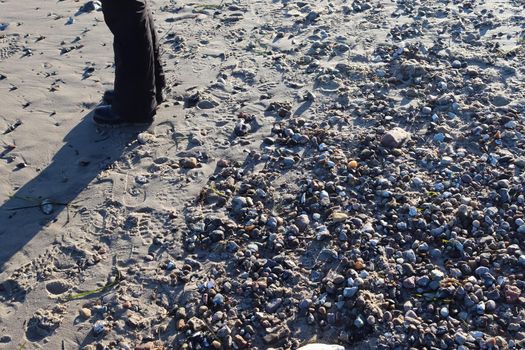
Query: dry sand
{"type": "Point", "coordinates": [120, 197]}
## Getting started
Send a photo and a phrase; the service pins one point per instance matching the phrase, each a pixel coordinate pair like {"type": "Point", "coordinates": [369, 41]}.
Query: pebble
{"type": "Point", "coordinates": [189, 163]}
{"type": "Point", "coordinates": [85, 313]}
{"type": "Point", "coordinates": [359, 322]}
{"type": "Point", "coordinates": [395, 137]}
{"type": "Point", "coordinates": [99, 327]}
{"type": "Point", "coordinates": [350, 292]}
{"type": "Point", "coordinates": [317, 346]}
{"type": "Point", "coordinates": [4, 339]}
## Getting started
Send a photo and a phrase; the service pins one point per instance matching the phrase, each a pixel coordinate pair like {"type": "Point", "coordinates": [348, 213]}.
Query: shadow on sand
{"type": "Point", "coordinates": [87, 151]}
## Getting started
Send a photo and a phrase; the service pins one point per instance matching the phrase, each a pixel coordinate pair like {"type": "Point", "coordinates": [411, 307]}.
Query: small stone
{"type": "Point", "coordinates": [321, 347]}
{"type": "Point", "coordinates": [437, 275]}
{"type": "Point", "coordinates": [288, 161]}
{"type": "Point", "coordinates": [482, 271]}
{"type": "Point", "coordinates": [417, 182]}
{"type": "Point", "coordinates": [189, 163]}
{"type": "Point", "coordinates": [359, 264]}
{"type": "Point", "coordinates": [359, 323]}
{"type": "Point", "coordinates": [460, 338]}
{"type": "Point", "coordinates": [499, 100]}
{"type": "Point", "coordinates": [409, 256]}
{"type": "Point", "coordinates": [216, 344]}
{"type": "Point", "coordinates": [456, 64]}
{"type": "Point", "coordinates": [223, 163]}
{"type": "Point", "coordinates": [512, 294]}
{"type": "Point", "coordinates": [480, 308]}
{"type": "Point", "coordinates": [240, 341]}
{"type": "Point", "coordinates": [328, 254]}
{"type": "Point", "coordinates": [339, 217]}
{"type": "Point", "coordinates": [99, 327]}
{"type": "Point", "coordinates": [85, 313]}
{"type": "Point", "coordinates": [426, 110]}
{"type": "Point", "coordinates": [395, 137]}
{"type": "Point", "coordinates": [511, 124]}
{"type": "Point", "coordinates": [439, 137]}
{"type": "Point", "coordinates": [239, 203]}
{"type": "Point", "coordinates": [521, 260]}
{"type": "Point", "coordinates": [181, 325]}
{"type": "Point", "coordinates": [5, 339]}
{"type": "Point", "coordinates": [218, 299]}
{"type": "Point", "coordinates": [409, 282]}
{"type": "Point", "coordinates": [273, 306]}
{"type": "Point", "coordinates": [349, 292]}
{"type": "Point", "coordinates": [490, 305]}
{"type": "Point", "coordinates": [302, 222]}
{"type": "Point", "coordinates": [181, 312]}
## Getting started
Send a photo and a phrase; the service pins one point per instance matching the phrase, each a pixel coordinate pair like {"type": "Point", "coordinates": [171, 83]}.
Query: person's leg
{"type": "Point", "coordinates": [160, 78]}
{"type": "Point", "coordinates": [135, 91]}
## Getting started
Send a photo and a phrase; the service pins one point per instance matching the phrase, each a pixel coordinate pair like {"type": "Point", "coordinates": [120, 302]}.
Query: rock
{"type": "Point", "coordinates": [99, 327]}
{"type": "Point", "coordinates": [85, 313]}
{"type": "Point", "coordinates": [349, 292]}
{"type": "Point", "coordinates": [91, 6]}
{"type": "Point", "coordinates": [456, 64]}
{"type": "Point", "coordinates": [273, 305]}
{"type": "Point", "coordinates": [242, 128]}
{"type": "Point", "coordinates": [321, 347]}
{"type": "Point", "coordinates": [238, 203]}
{"type": "Point", "coordinates": [339, 217]}
{"type": "Point", "coordinates": [328, 254]}
{"type": "Point", "coordinates": [302, 222]}
{"type": "Point", "coordinates": [512, 294]}
{"type": "Point", "coordinates": [359, 322]}
{"type": "Point", "coordinates": [240, 341]}
{"type": "Point", "coordinates": [426, 110]}
{"type": "Point", "coordinates": [395, 138]}
{"type": "Point", "coordinates": [499, 101]}
{"type": "Point", "coordinates": [4, 339]}
{"type": "Point", "coordinates": [206, 104]}
{"type": "Point", "coordinates": [189, 163]}
{"type": "Point", "coordinates": [409, 282]}
{"type": "Point", "coordinates": [409, 256]}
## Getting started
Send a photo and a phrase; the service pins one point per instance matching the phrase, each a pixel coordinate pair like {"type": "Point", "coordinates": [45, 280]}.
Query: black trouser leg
{"type": "Point", "coordinates": [160, 78]}
{"type": "Point", "coordinates": [130, 21]}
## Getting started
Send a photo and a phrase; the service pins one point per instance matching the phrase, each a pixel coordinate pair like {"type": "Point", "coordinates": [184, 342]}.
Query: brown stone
{"type": "Point", "coordinates": [240, 341]}
{"type": "Point", "coordinates": [395, 137]}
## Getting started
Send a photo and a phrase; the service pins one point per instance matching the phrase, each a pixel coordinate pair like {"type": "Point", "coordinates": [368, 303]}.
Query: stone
{"type": "Point", "coordinates": [85, 313]}
{"type": "Point", "coordinates": [321, 347]}
{"type": "Point", "coordinates": [395, 138]}
{"type": "Point", "coordinates": [5, 339]}
{"type": "Point", "coordinates": [189, 163]}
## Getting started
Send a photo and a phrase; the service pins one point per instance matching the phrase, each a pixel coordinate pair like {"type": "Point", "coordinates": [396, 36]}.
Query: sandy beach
{"type": "Point", "coordinates": [338, 172]}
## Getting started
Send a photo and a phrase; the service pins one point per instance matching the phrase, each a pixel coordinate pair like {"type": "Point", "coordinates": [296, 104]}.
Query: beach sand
{"type": "Point", "coordinates": [200, 230]}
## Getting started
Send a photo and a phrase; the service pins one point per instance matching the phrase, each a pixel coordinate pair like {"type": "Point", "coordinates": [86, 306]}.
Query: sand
{"type": "Point", "coordinates": [117, 199]}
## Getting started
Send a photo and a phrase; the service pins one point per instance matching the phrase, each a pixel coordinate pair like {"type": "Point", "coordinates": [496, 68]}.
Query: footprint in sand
{"type": "Point", "coordinates": [12, 291]}
{"type": "Point", "coordinates": [44, 323]}
{"type": "Point", "coordinates": [149, 223]}
{"type": "Point", "coordinates": [58, 287]}
{"type": "Point", "coordinates": [9, 46]}
{"type": "Point", "coordinates": [127, 191]}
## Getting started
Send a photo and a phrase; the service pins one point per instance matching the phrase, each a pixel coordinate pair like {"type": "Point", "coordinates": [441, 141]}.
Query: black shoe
{"type": "Point", "coordinates": [108, 97]}
{"type": "Point", "coordinates": [104, 115]}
